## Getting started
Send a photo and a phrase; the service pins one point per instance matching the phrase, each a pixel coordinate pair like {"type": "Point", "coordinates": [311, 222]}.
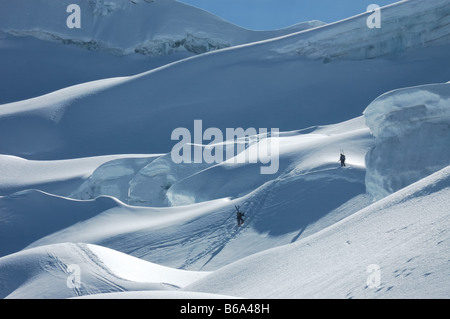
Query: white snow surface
{"type": "Point", "coordinates": [88, 186]}
{"type": "Point", "coordinates": [43, 272]}
{"type": "Point", "coordinates": [333, 262]}
{"type": "Point", "coordinates": [122, 27]}
{"type": "Point", "coordinates": [116, 38]}
{"type": "Point", "coordinates": [234, 87]}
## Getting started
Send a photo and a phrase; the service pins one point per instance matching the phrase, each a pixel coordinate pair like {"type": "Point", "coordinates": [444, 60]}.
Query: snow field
{"type": "Point", "coordinates": [91, 205]}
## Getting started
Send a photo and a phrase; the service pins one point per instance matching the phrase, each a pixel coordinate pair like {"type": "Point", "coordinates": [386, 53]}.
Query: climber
{"type": "Point", "coordinates": [239, 215]}
{"type": "Point", "coordinates": [342, 160]}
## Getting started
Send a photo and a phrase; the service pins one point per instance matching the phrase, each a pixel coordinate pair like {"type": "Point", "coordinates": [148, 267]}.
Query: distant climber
{"type": "Point", "coordinates": [239, 215]}
{"type": "Point", "coordinates": [342, 160]}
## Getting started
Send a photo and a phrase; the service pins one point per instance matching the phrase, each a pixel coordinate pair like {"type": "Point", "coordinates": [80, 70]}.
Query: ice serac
{"type": "Point", "coordinates": [138, 181]}
{"type": "Point", "coordinates": [412, 131]}
{"type": "Point", "coordinates": [111, 179]}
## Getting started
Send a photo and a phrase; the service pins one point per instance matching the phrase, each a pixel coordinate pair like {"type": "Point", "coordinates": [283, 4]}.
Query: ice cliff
{"type": "Point", "coordinates": [412, 137]}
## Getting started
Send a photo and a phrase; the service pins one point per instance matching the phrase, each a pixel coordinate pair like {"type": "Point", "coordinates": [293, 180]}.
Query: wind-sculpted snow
{"type": "Point", "coordinates": [234, 87]}
{"type": "Point", "coordinates": [93, 188]}
{"type": "Point", "coordinates": [48, 272]}
{"type": "Point", "coordinates": [120, 27]}
{"type": "Point", "coordinates": [412, 130]}
{"type": "Point", "coordinates": [29, 215]}
{"type": "Point", "coordinates": [55, 177]}
{"type": "Point", "coordinates": [405, 234]}
{"type": "Point", "coordinates": [115, 38]}
{"type": "Point", "coordinates": [198, 231]}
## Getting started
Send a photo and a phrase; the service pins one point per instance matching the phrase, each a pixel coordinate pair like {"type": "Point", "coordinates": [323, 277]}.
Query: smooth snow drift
{"type": "Point", "coordinates": [45, 272]}
{"type": "Point", "coordinates": [93, 206]}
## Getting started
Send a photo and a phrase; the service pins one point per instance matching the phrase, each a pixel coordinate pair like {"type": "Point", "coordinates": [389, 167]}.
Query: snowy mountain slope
{"type": "Point", "coordinates": [235, 87]}
{"type": "Point", "coordinates": [31, 67]}
{"type": "Point", "coordinates": [405, 25]}
{"type": "Point", "coordinates": [29, 215]}
{"type": "Point", "coordinates": [90, 221]}
{"type": "Point", "coordinates": [122, 26]}
{"type": "Point", "coordinates": [314, 267]}
{"type": "Point", "coordinates": [162, 182]}
{"type": "Point", "coordinates": [158, 233]}
{"type": "Point", "coordinates": [310, 229]}
{"type": "Point", "coordinates": [280, 208]}
{"type": "Point", "coordinates": [116, 38]}
{"type": "Point", "coordinates": [314, 152]}
{"type": "Point", "coordinates": [412, 130]}
{"type": "Point", "coordinates": [411, 251]}
{"type": "Point", "coordinates": [45, 272]}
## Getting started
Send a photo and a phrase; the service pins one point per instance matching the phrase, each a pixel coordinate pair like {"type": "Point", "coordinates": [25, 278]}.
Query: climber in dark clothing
{"type": "Point", "coordinates": [239, 216]}
{"type": "Point", "coordinates": [342, 160]}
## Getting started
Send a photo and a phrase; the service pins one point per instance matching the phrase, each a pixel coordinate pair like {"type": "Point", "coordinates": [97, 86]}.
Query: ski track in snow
{"type": "Point", "coordinates": [224, 233]}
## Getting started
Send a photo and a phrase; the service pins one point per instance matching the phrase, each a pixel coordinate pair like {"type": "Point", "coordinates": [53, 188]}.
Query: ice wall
{"type": "Point", "coordinates": [140, 181]}
{"type": "Point", "coordinates": [412, 131]}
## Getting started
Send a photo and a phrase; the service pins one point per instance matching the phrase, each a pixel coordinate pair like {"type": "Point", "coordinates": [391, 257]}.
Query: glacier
{"type": "Point", "coordinates": [87, 181]}
{"type": "Point", "coordinates": [123, 27]}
